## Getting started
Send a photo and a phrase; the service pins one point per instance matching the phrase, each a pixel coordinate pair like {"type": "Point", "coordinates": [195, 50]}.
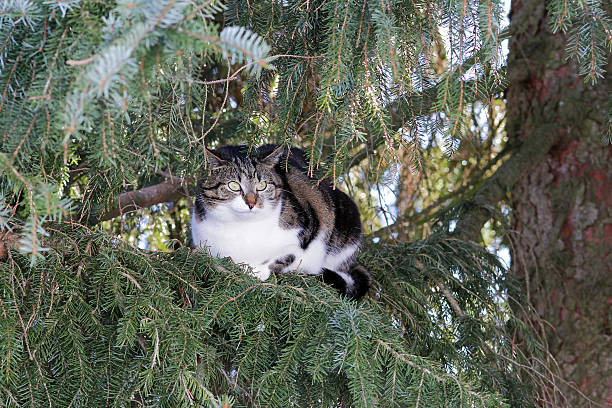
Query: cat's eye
{"type": "Point", "coordinates": [232, 185]}
{"type": "Point", "coordinates": [261, 186]}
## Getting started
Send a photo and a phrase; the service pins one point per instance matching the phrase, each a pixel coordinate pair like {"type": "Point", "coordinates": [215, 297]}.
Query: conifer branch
{"type": "Point", "coordinates": [452, 301]}
{"type": "Point", "coordinates": [413, 105]}
{"type": "Point", "coordinates": [434, 209]}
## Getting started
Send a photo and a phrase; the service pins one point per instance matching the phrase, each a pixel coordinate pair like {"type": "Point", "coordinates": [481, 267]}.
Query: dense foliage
{"type": "Point", "coordinates": [98, 322]}
{"type": "Point", "coordinates": [100, 98]}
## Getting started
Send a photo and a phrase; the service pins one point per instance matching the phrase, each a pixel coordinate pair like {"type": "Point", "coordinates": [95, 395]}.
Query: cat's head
{"type": "Point", "coordinates": [240, 184]}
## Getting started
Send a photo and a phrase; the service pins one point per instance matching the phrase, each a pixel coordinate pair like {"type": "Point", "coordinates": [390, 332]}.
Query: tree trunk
{"type": "Point", "coordinates": [563, 208]}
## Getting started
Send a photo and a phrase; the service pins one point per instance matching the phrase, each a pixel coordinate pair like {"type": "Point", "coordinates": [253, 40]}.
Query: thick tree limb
{"type": "Point", "coordinates": [444, 202]}
{"type": "Point", "coordinates": [494, 189]}
{"type": "Point", "coordinates": [168, 191]}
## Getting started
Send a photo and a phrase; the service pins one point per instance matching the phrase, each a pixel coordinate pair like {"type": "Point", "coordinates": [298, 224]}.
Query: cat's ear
{"type": "Point", "coordinates": [271, 159]}
{"type": "Point", "coordinates": [213, 160]}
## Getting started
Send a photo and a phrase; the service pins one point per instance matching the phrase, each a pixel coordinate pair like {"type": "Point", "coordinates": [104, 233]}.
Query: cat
{"type": "Point", "coordinates": [263, 210]}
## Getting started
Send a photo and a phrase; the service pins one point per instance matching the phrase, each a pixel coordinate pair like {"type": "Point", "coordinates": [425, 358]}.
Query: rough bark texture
{"type": "Point", "coordinates": [563, 208]}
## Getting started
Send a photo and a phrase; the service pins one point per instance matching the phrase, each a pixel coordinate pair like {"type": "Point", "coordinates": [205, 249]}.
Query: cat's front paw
{"type": "Point", "coordinates": [282, 264]}
{"type": "Point", "coordinates": [261, 272]}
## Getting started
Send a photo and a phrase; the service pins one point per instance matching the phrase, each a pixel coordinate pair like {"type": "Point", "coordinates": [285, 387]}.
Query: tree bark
{"type": "Point", "coordinates": [562, 208]}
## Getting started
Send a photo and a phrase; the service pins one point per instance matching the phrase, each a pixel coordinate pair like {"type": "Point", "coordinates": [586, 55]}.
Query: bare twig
{"type": "Point", "coordinates": [74, 63]}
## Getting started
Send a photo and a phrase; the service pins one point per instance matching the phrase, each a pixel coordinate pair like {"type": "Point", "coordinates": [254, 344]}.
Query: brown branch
{"type": "Point", "coordinates": [130, 201]}
{"type": "Point", "coordinates": [408, 107]}
{"type": "Point", "coordinates": [445, 202]}
{"type": "Point", "coordinates": [452, 301]}
{"type": "Point", "coordinates": [479, 209]}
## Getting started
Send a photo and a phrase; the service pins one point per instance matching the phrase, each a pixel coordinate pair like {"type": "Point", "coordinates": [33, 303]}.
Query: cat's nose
{"type": "Point", "coordinates": [250, 200]}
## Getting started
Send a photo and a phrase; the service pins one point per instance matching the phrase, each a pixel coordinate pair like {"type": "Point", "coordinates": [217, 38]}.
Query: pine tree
{"type": "Point", "coordinates": [105, 110]}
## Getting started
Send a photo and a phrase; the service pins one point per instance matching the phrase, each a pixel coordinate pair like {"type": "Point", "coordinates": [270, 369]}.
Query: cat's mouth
{"type": "Point", "coordinates": [246, 210]}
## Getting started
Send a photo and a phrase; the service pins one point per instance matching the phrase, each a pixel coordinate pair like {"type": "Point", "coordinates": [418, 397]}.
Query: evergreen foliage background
{"type": "Point", "coordinates": [102, 98]}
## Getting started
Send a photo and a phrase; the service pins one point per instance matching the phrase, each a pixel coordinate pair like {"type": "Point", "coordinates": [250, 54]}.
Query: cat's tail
{"type": "Point", "coordinates": [354, 283]}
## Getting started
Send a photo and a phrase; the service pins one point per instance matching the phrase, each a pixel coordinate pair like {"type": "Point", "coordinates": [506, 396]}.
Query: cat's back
{"type": "Point", "coordinates": [314, 204]}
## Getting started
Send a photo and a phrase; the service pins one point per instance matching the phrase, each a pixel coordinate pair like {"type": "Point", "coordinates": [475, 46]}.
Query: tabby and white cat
{"type": "Point", "coordinates": [263, 210]}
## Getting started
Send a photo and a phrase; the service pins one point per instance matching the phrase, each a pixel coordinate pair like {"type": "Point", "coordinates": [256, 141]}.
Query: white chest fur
{"type": "Point", "coordinates": [254, 238]}
{"type": "Point", "coordinates": [257, 239]}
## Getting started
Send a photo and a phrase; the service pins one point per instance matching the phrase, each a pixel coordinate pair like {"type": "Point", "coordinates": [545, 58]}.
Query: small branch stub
{"type": "Point", "coordinates": [8, 240]}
